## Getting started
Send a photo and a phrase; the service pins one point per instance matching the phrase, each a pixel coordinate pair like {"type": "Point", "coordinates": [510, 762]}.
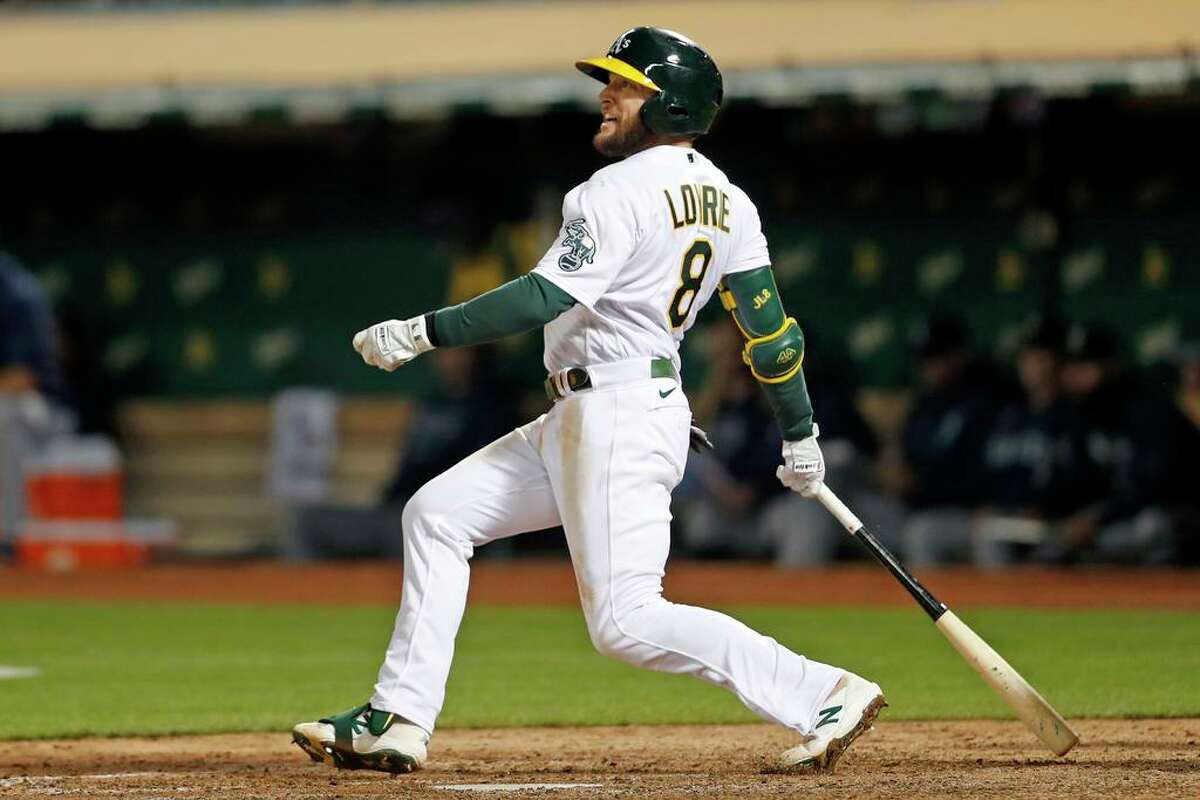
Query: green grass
{"type": "Point", "coordinates": [139, 669]}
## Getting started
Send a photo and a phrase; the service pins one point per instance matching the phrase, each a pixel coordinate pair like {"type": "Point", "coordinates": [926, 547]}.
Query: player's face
{"type": "Point", "coordinates": [621, 129]}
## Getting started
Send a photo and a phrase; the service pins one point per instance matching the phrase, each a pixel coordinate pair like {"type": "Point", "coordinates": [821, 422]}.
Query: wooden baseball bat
{"type": "Point", "coordinates": [1038, 715]}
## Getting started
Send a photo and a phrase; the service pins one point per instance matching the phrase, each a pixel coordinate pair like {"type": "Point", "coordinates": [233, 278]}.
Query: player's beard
{"type": "Point", "coordinates": [623, 142]}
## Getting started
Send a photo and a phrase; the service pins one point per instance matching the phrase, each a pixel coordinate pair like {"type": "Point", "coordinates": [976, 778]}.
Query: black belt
{"type": "Point", "coordinates": [577, 378]}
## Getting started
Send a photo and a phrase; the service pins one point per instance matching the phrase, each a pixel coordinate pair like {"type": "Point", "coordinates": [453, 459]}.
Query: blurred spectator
{"type": "Point", "coordinates": [27, 347]}
{"type": "Point", "coordinates": [943, 442]}
{"type": "Point", "coordinates": [467, 408]}
{"type": "Point", "coordinates": [1132, 437]}
{"type": "Point", "coordinates": [1034, 456]}
{"type": "Point", "coordinates": [31, 392]}
{"type": "Point", "coordinates": [1187, 399]}
{"type": "Point", "coordinates": [1188, 395]}
{"type": "Point", "coordinates": [725, 489]}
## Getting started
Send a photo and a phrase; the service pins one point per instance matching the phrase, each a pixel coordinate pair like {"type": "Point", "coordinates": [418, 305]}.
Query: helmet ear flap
{"type": "Point", "coordinates": [665, 115]}
{"type": "Point", "coordinates": [649, 113]}
{"type": "Point", "coordinates": [687, 102]}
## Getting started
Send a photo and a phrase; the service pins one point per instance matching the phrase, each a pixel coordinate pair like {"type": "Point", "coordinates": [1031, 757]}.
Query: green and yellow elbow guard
{"type": "Point", "coordinates": [774, 348]}
{"type": "Point", "coordinates": [776, 357]}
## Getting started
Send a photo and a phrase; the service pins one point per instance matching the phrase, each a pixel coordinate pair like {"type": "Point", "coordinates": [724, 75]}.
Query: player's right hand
{"type": "Point", "coordinates": [392, 343]}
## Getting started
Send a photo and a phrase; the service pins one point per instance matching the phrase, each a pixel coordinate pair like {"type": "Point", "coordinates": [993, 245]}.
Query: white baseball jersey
{"type": "Point", "coordinates": [643, 245]}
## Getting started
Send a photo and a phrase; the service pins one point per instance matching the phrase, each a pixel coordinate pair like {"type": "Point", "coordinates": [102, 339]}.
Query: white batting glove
{"type": "Point", "coordinates": [803, 469]}
{"type": "Point", "coordinates": [392, 343]}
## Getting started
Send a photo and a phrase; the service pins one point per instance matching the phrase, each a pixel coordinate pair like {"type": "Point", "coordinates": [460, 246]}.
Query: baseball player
{"type": "Point", "coordinates": [644, 244]}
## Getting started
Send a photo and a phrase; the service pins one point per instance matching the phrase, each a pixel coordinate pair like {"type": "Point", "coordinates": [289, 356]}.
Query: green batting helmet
{"type": "Point", "coordinates": [686, 78]}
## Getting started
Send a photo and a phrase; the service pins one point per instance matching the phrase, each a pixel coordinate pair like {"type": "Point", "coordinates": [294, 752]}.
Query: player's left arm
{"type": "Point", "coordinates": [517, 306]}
{"type": "Point", "coordinates": [774, 352]}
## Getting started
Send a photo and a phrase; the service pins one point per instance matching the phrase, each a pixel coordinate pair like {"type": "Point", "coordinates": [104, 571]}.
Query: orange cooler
{"type": "Point", "coordinates": [78, 478]}
{"type": "Point", "coordinates": [62, 554]}
{"type": "Point", "coordinates": [73, 509]}
{"type": "Point", "coordinates": [64, 545]}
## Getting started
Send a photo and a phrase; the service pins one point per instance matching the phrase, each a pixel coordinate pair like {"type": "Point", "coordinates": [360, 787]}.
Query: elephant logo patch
{"type": "Point", "coordinates": [581, 247]}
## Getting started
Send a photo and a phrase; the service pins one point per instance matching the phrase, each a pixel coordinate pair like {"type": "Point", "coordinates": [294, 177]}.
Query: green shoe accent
{"type": "Point", "coordinates": [380, 721]}
{"type": "Point", "coordinates": [345, 725]}
{"type": "Point", "coordinates": [828, 715]}
{"type": "Point", "coordinates": [349, 723]}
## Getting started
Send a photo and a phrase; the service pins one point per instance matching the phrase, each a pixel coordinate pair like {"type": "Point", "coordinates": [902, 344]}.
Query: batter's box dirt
{"type": "Point", "coordinates": [1117, 759]}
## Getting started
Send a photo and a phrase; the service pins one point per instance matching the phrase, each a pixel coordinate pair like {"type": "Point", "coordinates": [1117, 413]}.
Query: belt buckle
{"type": "Point", "coordinates": [567, 381]}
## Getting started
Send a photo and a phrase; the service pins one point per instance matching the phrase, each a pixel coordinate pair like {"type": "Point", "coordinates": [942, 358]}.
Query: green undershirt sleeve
{"type": "Point", "coordinates": [753, 299]}
{"type": "Point", "coordinates": [792, 406]}
{"type": "Point", "coordinates": [514, 307]}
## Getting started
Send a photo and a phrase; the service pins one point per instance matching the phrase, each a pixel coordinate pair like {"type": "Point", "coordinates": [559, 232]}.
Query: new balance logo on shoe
{"type": "Point", "coordinates": [828, 716]}
{"type": "Point", "coordinates": [373, 722]}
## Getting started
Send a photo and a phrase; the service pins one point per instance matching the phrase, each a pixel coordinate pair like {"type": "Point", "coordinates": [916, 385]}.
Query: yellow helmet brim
{"type": "Point", "coordinates": [601, 68]}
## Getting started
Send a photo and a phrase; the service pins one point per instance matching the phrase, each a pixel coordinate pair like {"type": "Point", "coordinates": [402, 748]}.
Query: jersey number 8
{"type": "Point", "coordinates": [691, 276]}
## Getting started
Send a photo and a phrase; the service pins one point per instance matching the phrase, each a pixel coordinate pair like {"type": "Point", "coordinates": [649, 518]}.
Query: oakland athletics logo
{"type": "Point", "coordinates": [580, 245]}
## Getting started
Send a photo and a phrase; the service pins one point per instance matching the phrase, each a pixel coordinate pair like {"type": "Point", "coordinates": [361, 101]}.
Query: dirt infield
{"type": "Point", "coordinates": [552, 582]}
{"type": "Point", "coordinates": [1116, 759]}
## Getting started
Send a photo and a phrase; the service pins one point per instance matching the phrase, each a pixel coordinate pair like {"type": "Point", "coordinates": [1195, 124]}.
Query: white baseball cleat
{"type": "Point", "coordinates": [364, 738]}
{"type": "Point", "coordinates": [846, 714]}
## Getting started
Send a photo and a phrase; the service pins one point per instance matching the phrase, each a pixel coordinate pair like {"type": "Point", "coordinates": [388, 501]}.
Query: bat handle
{"type": "Point", "coordinates": [932, 606]}
{"type": "Point", "coordinates": [834, 505]}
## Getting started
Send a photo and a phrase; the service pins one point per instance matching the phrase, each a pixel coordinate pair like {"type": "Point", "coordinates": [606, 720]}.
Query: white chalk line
{"type": "Point", "coordinates": [51, 784]}
{"type": "Point", "coordinates": [22, 780]}
{"type": "Point", "coordinates": [9, 673]}
{"type": "Point", "coordinates": [153, 792]}
{"type": "Point", "coordinates": [514, 787]}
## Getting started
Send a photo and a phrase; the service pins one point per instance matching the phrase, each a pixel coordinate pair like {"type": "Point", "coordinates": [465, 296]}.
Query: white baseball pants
{"type": "Point", "coordinates": [602, 463]}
